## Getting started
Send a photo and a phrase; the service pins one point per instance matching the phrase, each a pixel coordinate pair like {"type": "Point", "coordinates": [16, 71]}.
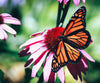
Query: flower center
{"type": "Point", "coordinates": [1, 19]}
{"type": "Point", "coordinates": [51, 38]}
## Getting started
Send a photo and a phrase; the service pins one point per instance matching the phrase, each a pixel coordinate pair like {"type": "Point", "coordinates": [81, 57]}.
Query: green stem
{"type": "Point", "coordinates": [60, 8]}
{"type": "Point", "coordinates": [65, 10]}
{"type": "Point", "coordinates": [40, 79]}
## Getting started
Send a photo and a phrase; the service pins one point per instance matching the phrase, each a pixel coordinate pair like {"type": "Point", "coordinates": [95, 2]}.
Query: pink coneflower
{"type": "Point", "coordinates": [42, 46]}
{"type": "Point", "coordinates": [76, 2]}
{"type": "Point", "coordinates": [7, 18]}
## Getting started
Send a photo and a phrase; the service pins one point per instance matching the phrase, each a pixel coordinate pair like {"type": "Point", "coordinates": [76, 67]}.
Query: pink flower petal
{"type": "Point", "coordinates": [38, 65]}
{"type": "Point", "coordinates": [76, 69]}
{"type": "Point", "coordinates": [40, 57]}
{"type": "Point", "coordinates": [29, 62]}
{"type": "Point", "coordinates": [35, 47]}
{"type": "Point", "coordinates": [65, 1]}
{"type": "Point", "coordinates": [61, 75]}
{"type": "Point", "coordinates": [83, 1]}
{"type": "Point", "coordinates": [60, 1]}
{"type": "Point", "coordinates": [87, 56]}
{"type": "Point", "coordinates": [47, 67]}
{"type": "Point", "coordinates": [52, 77]}
{"type": "Point", "coordinates": [1, 34]}
{"type": "Point", "coordinates": [31, 49]}
{"type": "Point", "coordinates": [5, 35]}
{"type": "Point", "coordinates": [6, 15]}
{"type": "Point", "coordinates": [55, 77]}
{"type": "Point", "coordinates": [73, 70]}
{"type": "Point", "coordinates": [35, 55]}
{"type": "Point", "coordinates": [24, 52]}
{"type": "Point", "coordinates": [33, 40]}
{"type": "Point", "coordinates": [76, 2]}
{"type": "Point", "coordinates": [11, 20]}
{"type": "Point", "coordinates": [8, 29]}
{"type": "Point", "coordinates": [85, 65]}
{"type": "Point", "coordinates": [38, 33]}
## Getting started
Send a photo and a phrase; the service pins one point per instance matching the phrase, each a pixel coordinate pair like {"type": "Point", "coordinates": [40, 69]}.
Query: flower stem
{"type": "Point", "coordinates": [65, 10]}
{"type": "Point", "coordinates": [40, 79]}
{"type": "Point", "coordinates": [60, 19]}
{"type": "Point", "coordinates": [60, 8]}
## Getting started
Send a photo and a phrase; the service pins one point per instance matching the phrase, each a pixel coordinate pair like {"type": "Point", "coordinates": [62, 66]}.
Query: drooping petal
{"type": "Point", "coordinates": [87, 55]}
{"type": "Point", "coordinates": [76, 2]}
{"type": "Point", "coordinates": [5, 35]}
{"type": "Point", "coordinates": [73, 70]}
{"type": "Point", "coordinates": [76, 69]}
{"type": "Point", "coordinates": [47, 67]}
{"type": "Point", "coordinates": [35, 55]}
{"type": "Point", "coordinates": [38, 65]}
{"type": "Point", "coordinates": [8, 29]}
{"type": "Point", "coordinates": [1, 34]}
{"type": "Point", "coordinates": [83, 1]}
{"type": "Point", "coordinates": [84, 63]}
{"type": "Point", "coordinates": [11, 20]}
{"type": "Point", "coordinates": [61, 75]}
{"type": "Point", "coordinates": [52, 77]}
{"type": "Point", "coordinates": [33, 40]}
{"type": "Point", "coordinates": [55, 77]}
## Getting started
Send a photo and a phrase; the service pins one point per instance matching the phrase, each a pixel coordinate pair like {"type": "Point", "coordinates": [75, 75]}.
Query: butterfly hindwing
{"type": "Point", "coordinates": [74, 55]}
{"type": "Point", "coordinates": [64, 54]}
{"type": "Point", "coordinates": [80, 40]}
{"type": "Point", "coordinates": [60, 58]}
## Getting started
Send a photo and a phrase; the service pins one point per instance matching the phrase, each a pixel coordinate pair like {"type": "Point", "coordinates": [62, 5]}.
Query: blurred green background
{"type": "Point", "coordinates": [37, 15]}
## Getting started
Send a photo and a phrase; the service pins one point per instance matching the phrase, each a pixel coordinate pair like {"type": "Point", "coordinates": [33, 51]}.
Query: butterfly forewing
{"type": "Point", "coordinates": [77, 22]}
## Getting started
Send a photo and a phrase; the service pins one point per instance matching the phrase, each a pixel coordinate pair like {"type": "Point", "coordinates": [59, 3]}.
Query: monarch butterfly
{"type": "Point", "coordinates": [75, 36]}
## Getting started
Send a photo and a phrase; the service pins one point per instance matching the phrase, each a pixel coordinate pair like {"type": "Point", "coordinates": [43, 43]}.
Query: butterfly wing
{"type": "Point", "coordinates": [80, 40]}
{"type": "Point", "coordinates": [64, 54]}
{"type": "Point", "coordinates": [77, 22]}
{"type": "Point", "coordinates": [75, 33]}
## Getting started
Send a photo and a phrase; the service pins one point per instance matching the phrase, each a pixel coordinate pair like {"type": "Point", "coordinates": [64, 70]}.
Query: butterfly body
{"type": "Point", "coordinates": [75, 36]}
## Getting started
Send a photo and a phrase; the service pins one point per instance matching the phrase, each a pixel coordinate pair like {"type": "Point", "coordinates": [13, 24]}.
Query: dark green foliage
{"type": "Point", "coordinates": [27, 75]}
{"type": "Point", "coordinates": [1, 76]}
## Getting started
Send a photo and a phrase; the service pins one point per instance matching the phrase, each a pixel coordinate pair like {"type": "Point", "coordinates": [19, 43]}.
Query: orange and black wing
{"type": "Point", "coordinates": [75, 33]}
{"type": "Point", "coordinates": [80, 40]}
{"type": "Point", "coordinates": [77, 22]}
{"type": "Point", "coordinates": [64, 54]}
